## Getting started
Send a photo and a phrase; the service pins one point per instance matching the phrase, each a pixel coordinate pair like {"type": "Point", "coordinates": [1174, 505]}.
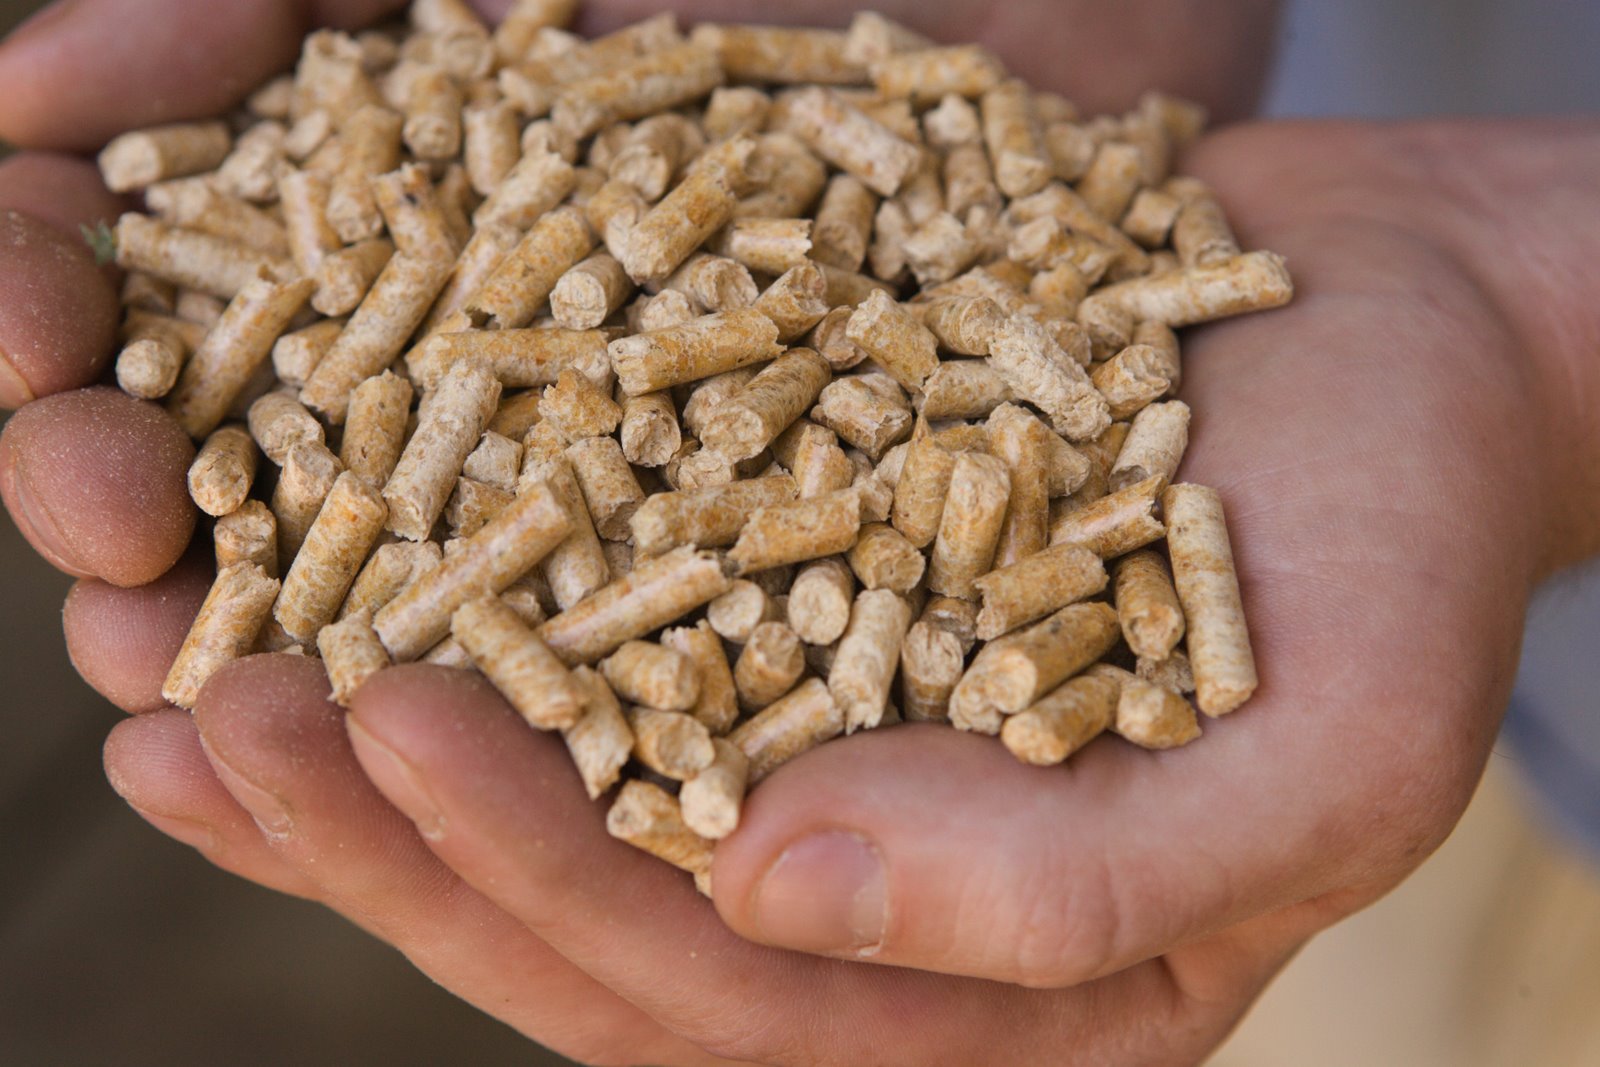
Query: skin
{"type": "Point", "coordinates": [1405, 452]}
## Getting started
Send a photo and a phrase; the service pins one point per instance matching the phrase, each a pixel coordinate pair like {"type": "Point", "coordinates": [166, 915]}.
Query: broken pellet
{"type": "Point", "coordinates": [511, 656]}
{"type": "Point", "coordinates": [717, 706]}
{"type": "Point", "coordinates": [895, 340]}
{"type": "Point", "coordinates": [653, 676]}
{"type": "Point", "coordinates": [1155, 445]}
{"type": "Point", "coordinates": [142, 158]}
{"type": "Point", "coordinates": [248, 534]}
{"type": "Point", "coordinates": [489, 561]}
{"type": "Point", "coordinates": [812, 454]}
{"type": "Point", "coordinates": [711, 800]}
{"type": "Point", "coordinates": [653, 594]}
{"type": "Point", "coordinates": [756, 414]}
{"type": "Point", "coordinates": [278, 422]}
{"type": "Point", "coordinates": [1063, 722]}
{"type": "Point", "coordinates": [851, 140]}
{"type": "Point", "coordinates": [576, 408]}
{"type": "Point", "coordinates": [1132, 379]}
{"type": "Point", "coordinates": [869, 411]}
{"type": "Point", "coordinates": [931, 662]}
{"type": "Point", "coordinates": [868, 656]}
{"type": "Point", "coordinates": [1113, 525]}
{"type": "Point", "coordinates": [351, 653]}
{"type": "Point", "coordinates": [969, 528]}
{"type": "Point", "coordinates": [600, 742]}
{"type": "Point", "coordinates": [1040, 372]}
{"type": "Point", "coordinates": [795, 724]}
{"type": "Point", "coordinates": [238, 605]}
{"type": "Point", "coordinates": [769, 666]}
{"type": "Point", "coordinates": [650, 430]}
{"type": "Point", "coordinates": [496, 461]}
{"type": "Point", "coordinates": [1202, 569]}
{"type": "Point", "coordinates": [221, 475]}
{"type": "Point", "coordinates": [307, 478]}
{"type": "Point", "coordinates": [473, 505]}
{"type": "Point", "coordinates": [1035, 586]}
{"type": "Point", "coordinates": [452, 419]}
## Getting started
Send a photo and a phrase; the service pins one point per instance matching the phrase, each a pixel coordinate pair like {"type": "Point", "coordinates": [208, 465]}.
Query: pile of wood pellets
{"type": "Point", "coordinates": [715, 394]}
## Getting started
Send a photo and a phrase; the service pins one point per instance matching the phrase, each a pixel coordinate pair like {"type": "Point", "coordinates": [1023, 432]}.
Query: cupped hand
{"type": "Point", "coordinates": [1383, 448]}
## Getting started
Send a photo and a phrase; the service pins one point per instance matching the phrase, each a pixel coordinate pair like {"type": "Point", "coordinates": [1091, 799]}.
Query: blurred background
{"type": "Point", "coordinates": [118, 946]}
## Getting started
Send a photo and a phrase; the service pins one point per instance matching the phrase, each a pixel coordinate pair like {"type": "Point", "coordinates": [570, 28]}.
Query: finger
{"type": "Point", "coordinates": [96, 481]}
{"type": "Point", "coordinates": [58, 313]}
{"type": "Point", "coordinates": [123, 641]}
{"type": "Point", "coordinates": [279, 745]}
{"type": "Point", "coordinates": [62, 190]}
{"type": "Point", "coordinates": [502, 806]}
{"type": "Point", "coordinates": [156, 764]}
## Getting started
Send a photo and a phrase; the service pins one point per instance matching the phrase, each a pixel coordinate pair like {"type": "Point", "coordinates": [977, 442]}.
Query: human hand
{"type": "Point", "coordinates": [1362, 549]}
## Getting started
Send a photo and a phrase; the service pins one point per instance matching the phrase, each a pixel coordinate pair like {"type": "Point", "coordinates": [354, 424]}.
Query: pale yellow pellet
{"type": "Point", "coordinates": [238, 605]}
{"type": "Point", "coordinates": [522, 667]}
{"type": "Point", "coordinates": [221, 475]}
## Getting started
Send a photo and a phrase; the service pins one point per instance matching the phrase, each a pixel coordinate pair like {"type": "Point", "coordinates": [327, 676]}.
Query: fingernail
{"type": "Point", "coordinates": [396, 779]}
{"type": "Point", "coordinates": [189, 832]}
{"type": "Point", "coordinates": [825, 894]}
{"type": "Point", "coordinates": [269, 810]}
{"type": "Point", "coordinates": [14, 388]}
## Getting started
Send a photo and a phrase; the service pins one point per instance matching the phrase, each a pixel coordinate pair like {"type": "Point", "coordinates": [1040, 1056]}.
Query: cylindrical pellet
{"type": "Point", "coordinates": [698, 349]}
{"type": "Point", "coordinates": [851, 140]}
{"type": "Point", "coordinates": [1115, 524]}
{"type": "Point", "coordinates": [608, 483]}
{"type": "Point", "coordinates": [670, 743]}
{"type": "Point", "coordinates": [1063, 722]}
{"type": "Point", "coordinates": [1034, 587]}
{"type": "Point", "coordinates": [451, 421]}
{"type": "Point", "coordinates": [590, 292]}
{"type": "Point", "coordinates": [375, 427]}
{"type": "Point", "coordinates": [650, 431]}
{"type": "Point", "coordinates": [351, 653]}
{"type": "Point", "coordinates": [143, 157]}
{"type": "Point", "coordinates": [922, 488]}
{"type": "Point", "coordinates": [488, 562]}
{"type": "Point", "coordinates": [1208, 587]}
{"type": "Point", "coordinates": [868, 656]}
{"type": "Point", "coordinates": [795, 724]}
{"type": "Point", "coordinates": [769, 666]}
{"type": "Point", "coordinates": [278, 422]}
{"type": "Point", "coordinates": [1025, 667]}
{"type": "Point", "coordinates": [600, 742]}
{"type": "Point", "coordinates": [930, 666]}
{"type": "Point", "coordinates": [221, 475]}
{"type": "Point", "coordinates": [867, 410]}
{"type": "Point", "coordinates": [248, 534]}
{"type": "Point", "coordinates": [390, 569]}
{"type": "Point", "coordinates": [717, 707]}
{"type": "Point", "coordinates": [1147, 605]}
{"type": "Point", "coordinates": [711, 800]}
{"type": "Point", "coordinates": [820, 600]}
{"type": "Point", "coordinates": [513, 658]}
{"type": "Point", "coordinates": [653, 594]}
{"type": "Point", "coordinates": [334, 550]}
{"type": "Point", "coordinates": [653, 676]}
{"type": "Point", "coordinates": [894, 339]}
{"type": "Point", "coordinates": [238, 605]}
{"type": "Point", "coordinates": [798, 531]}
{"type": "Point", "coordinates": [755, 415]}
{"type": "Point", "coordinates": [883, 559]}
{"type": "Point", "coordinates": [1155, 445]}
{"type": "Point", "coordinates": [1022, 443]}
{"type": "Point", "coordinates": [307, 478]}
{"type": "Point", "coordinates": [648, 818]}
{"type": "Point", "coordinates": [735, 614]}
{"type": "Point", "coordinates": [970, 527]}
{"type": "Point", "coordinates": [708, 518]}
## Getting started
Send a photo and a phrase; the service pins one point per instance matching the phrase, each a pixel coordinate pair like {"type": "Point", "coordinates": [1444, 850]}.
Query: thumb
{"type": "Point", "coordinates": [924, 847]}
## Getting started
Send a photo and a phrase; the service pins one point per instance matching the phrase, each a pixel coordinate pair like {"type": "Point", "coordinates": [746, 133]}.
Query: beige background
{"type": "Point", "coordinates": [118, 946]}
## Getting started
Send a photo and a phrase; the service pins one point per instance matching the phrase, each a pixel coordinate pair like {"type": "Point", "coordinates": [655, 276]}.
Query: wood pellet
{"type": "Point", "coordinates": [714, 391]}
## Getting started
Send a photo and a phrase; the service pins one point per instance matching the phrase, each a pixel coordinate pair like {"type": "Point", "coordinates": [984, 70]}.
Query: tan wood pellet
{"type": "Point", "coordinates": [307, 478]}
{"type": "Point", "coordinates": [453, 418]}
{"type": "Point", "coordinates": [578, 409]}
{"type": "Point", "coordinates": [928, 74]}
{"type": "Point", "coordinates": [970, 525]}
{"type": "Point", "coordinates": [670, 743]}
{"type": "Point", "coordinates": [1218, 640]}
{"type": "Point", "coordinates": [655, 82]}
{"type": "Point", "coordinates": [1155, 445]}
{"type": "Point", "coordinates": [1149, 219]}
{"type": "Point", "coordinates": [698, 349]}
{"type": "Point", "coordinates": [668, 233]}
{"type": "Point", "coordinates": [375, 427]}
{"type": "Point", "coordinates": [1063, 722]}
{"type": "Point", "coordinates": [278, 422]}
{"type": "Point", "coordinates": [868, 411]}
{"type": "Point", "coordinates": [472, 506]}
{"type": "Point", "coordinates": [351, 653]}
{"type": "Point", "coordinates": [796, 301]}
{"type": "Point", "coordinates": [654, 593]}
{"type": "Point", "coordinates": [851, 140]}
{"type": "Point", "coordinates": [895, 340]}
{"type": "Point", "coordinates": [609, 486]}
{"type": "Point", "coordinates": [517, 662]}
{"type": "Point", "coordinates": [769, 665]}
{"type": "Point", "coordinates": [590, 292]}
{"type": "Point", "coordinates": [1201, 235]}
{"type": "Point", "coordinates": [736, 613]}
{"type": "Point", "coordinates": [489, 561]}
{"type": "Point", "coordinates": [800, 721]}
{"type": "Point", "coordinates": [192, 259]}
{"type": "Point", "coordinates": [388, 570]}
{"type": "Point", "coordinates": [370, 142]}
{"type": "Point", "coordinates": [296, 355]}
{"type": "Point", "coordinates": [1100, 454]}
{"type": "Point", "coordinates": [793, 178]}
{"type": "Point", "coordinates": [222, 473]}
{"type": "Point", "coordinates": [649, 818]}
{"type": "Point", "coordinates": [882, 558]}
{"type": "Point", "coordinates": [652, 675]}
{"type": "Point", "coordinates": [141, 158]}
{"type": "Point", "coordinates": [800, 530]}
{"type": "Point", "coordinates": [488, 247]}
{"type": "Point", "coordinates": [248, 534]}
{"type": "Point", "coordinates": [1132, 380]}
{"type": "Point", "coordinates": [1147, 714]}
{"type": "Point", "coordinates": [1112, 180]}
{"type": "Point", "coordinates": [511, 296]}
{"type": "Point", "coordinates": [820, 600]}
{"type": "Point", "coordinates": [520, 358]}
{"type": "Point", "coordinates": [813, 455]}
{"type": "Point", "coordinates": [1035, 586]}
{"type": "Point", "coordinates": [1019, 440]}
{"type": "Point", "coordinates": [517, 414]}
{"type": "Point", "coordinates": [715, 283]}
{"type": "Point", "coordinates": [708, 518]}
{"type": "Point", "coordinates": [712, 799]}
{"type": "Point", "coordinates": [842, 231]}
{"type": "Point", "coordinates": [197, 204]}
{"type": "Point", "coordinates": [1254, 281]}
{"type": "Point", "coordinates": [868, 655]}
{"type": "Point", "coordinates": [922, 488]}
{"type": "Point", "coordinates": [1113, 525]}
{"type": "Point", "coordinates": [768, 246]}
{"type": "Point", "coordinates": [496, 461]}
{"type": "Point", "coordinates": [931, 662]}
{"type": "Point", "coordinates": [600, 742]}
{"type": "Point", "coordinates": [415, 214]}
{"type": "Point", "coordinates": [1039, 371]}
{"type": "Point", "coordinates": [237, 606]}
{"type": "Point", "coordinates": [717, 706]}
{"type": "Point", "coordinates": [1024, 668]}
{"type": "Point", "coordinates": [650, 430]}
{"type": "Point", "coordinates": [954, 615]}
